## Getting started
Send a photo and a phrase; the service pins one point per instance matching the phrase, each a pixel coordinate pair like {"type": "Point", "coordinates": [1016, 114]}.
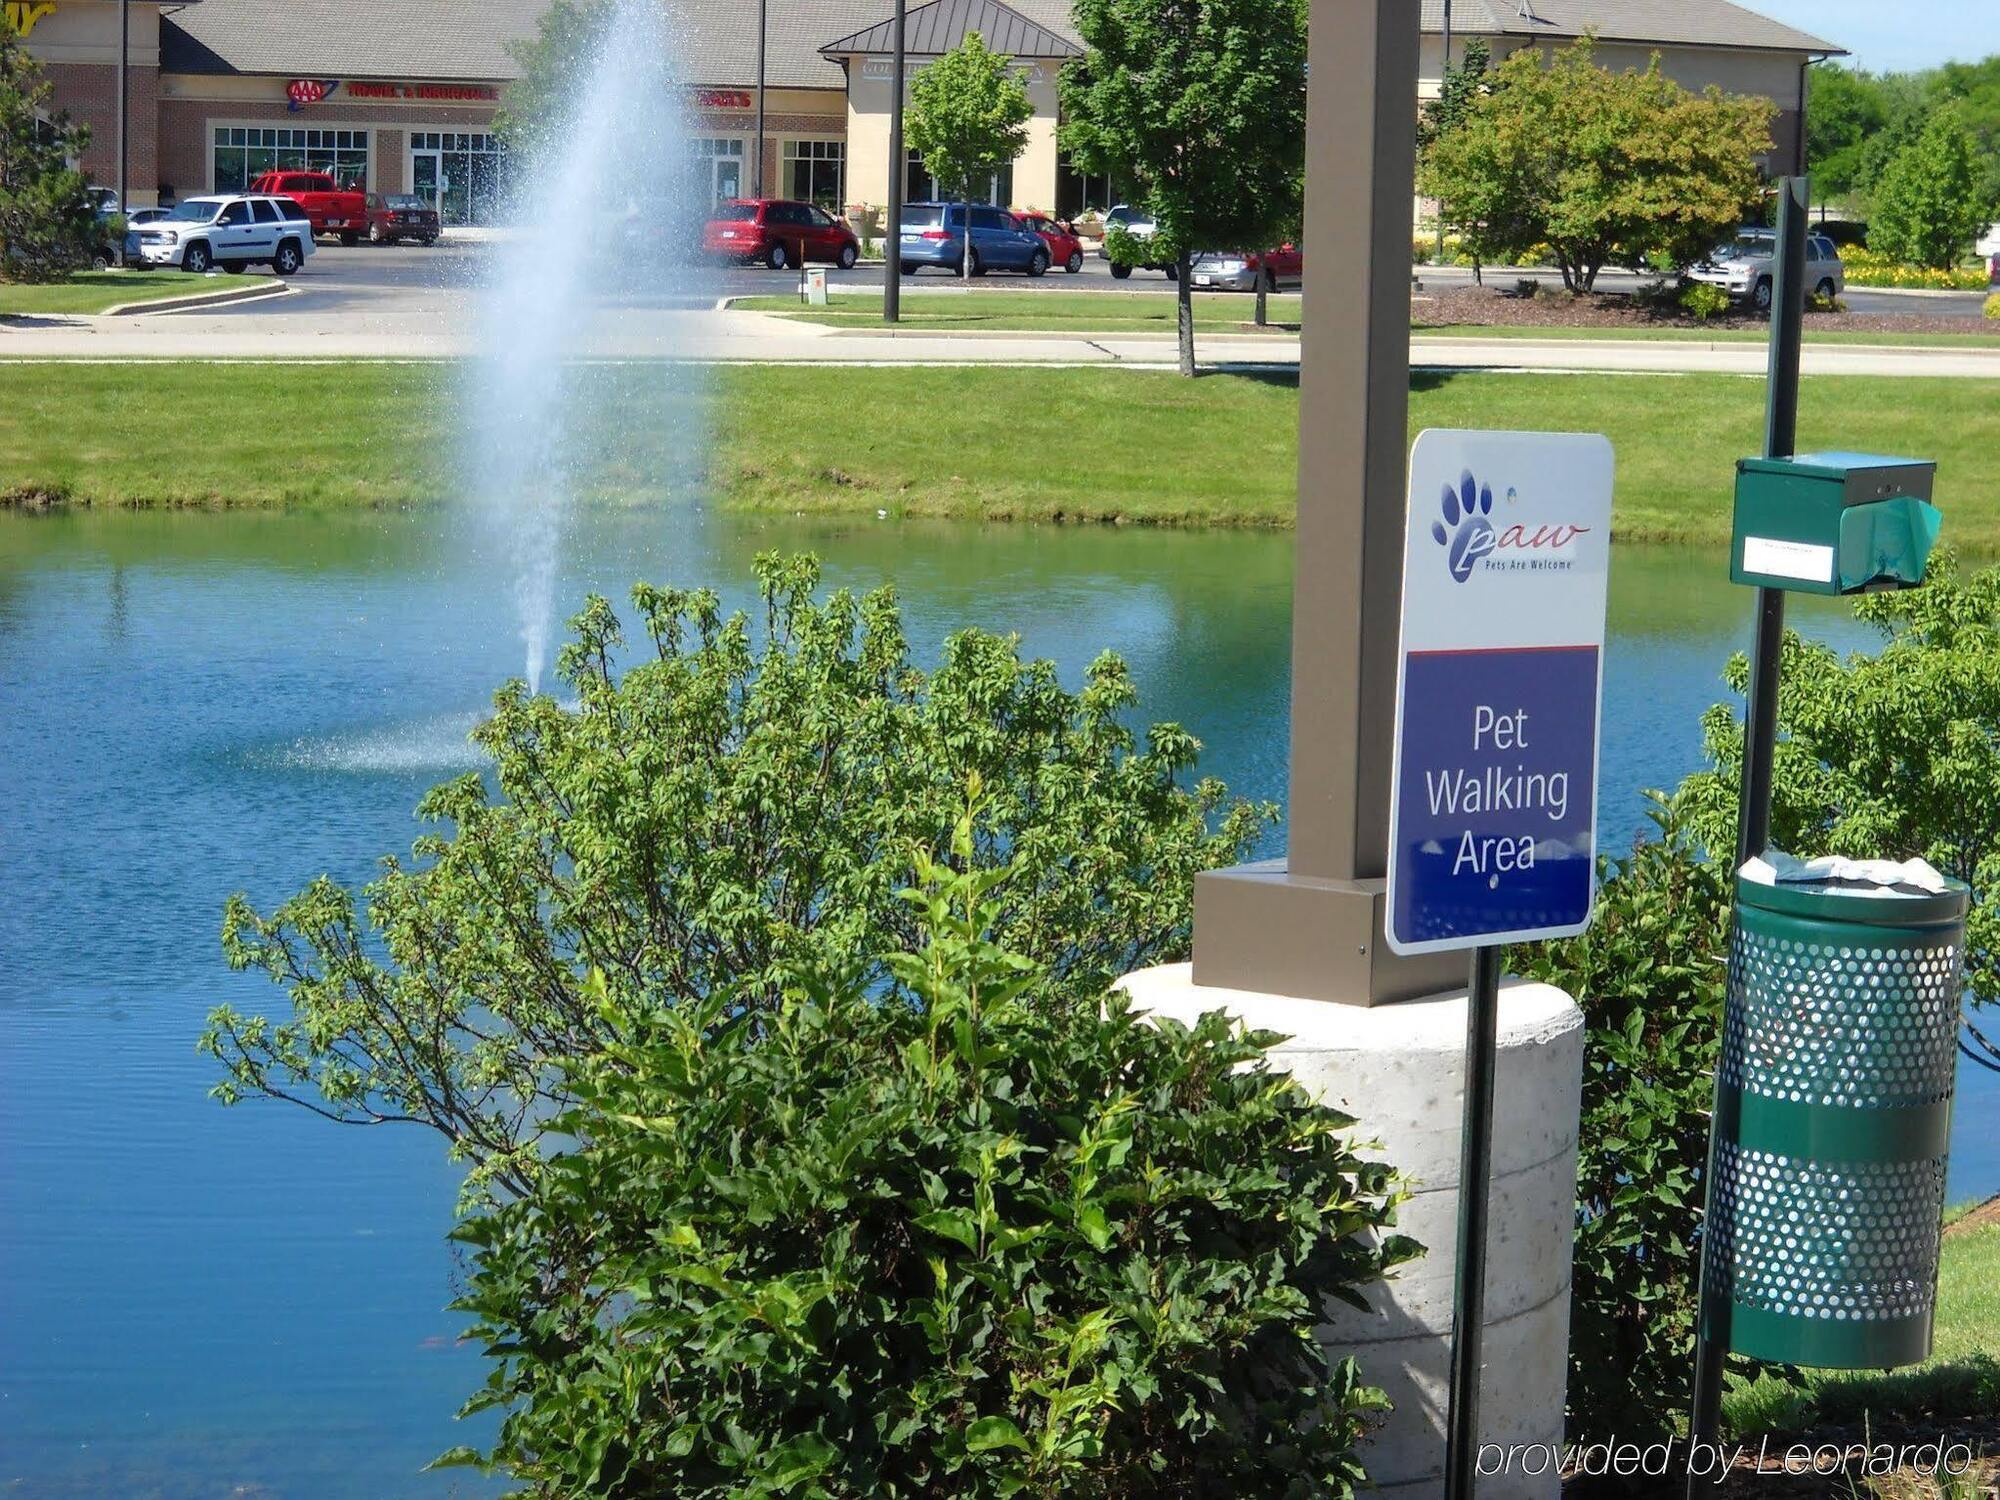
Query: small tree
{"type": "Point", "coordinates": [1202, 103]}
{"type": "Point", "coordinates": [553, 64]}
{"type": "Point", "coordinates": [1847, 108]}
{"type": "Point", "coordinates": [1602, 167]}
{"type": "Point", "coordinates": [48, 225]}
{"type": "Point", "coordinates": [967, 119]}
{"type": "Point", "coordinates": [1930, 204]}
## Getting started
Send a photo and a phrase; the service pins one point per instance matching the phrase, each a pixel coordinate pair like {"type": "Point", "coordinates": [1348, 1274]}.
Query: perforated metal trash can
{"type": "Point", "coordinates": [1833, 1113]}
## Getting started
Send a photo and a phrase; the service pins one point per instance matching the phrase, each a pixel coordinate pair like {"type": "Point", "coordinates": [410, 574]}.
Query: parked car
{"type": "Point", "coordinates": [332, 208]}
{"type": "Point", "coordinates": [1141, 226]}
{"type": "Point", "coordinates": [1993, 272]}
{"type": "Point", "coordinates": [1237, 271]}
{"type": "Point", "coordinates": [1065, 248]}
{"type": "Point", "coordinates": [395, 217]}
{"type": "Point", "coordinates": [935, 234]}
{"type": "Point", "coordinates": [1747, 269]}
{"type": "Point", "coordinates": [134, 222]}
{"type": "Point", "coordinates": [233, 231]}
{"type": "Point", "coordinates": [780, 232]}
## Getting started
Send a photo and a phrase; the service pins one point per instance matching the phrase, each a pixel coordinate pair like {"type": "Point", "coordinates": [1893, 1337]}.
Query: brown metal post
{"type": "Point", "coordinates": [1310, 925]}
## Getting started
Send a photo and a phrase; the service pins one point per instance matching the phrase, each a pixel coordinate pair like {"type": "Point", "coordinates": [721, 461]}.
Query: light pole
{"type": "Point", "coordinates": [124, 96]}
{"type": "Point", "coordinates": [757, 171]}
{"type": "Point", "coordinates": [892, 237]}
{"type": "Point", "coordinates": [1444, 78]}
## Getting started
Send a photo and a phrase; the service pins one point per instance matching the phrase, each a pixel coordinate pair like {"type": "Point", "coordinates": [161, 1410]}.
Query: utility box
{"type": "Point", "coordinates": [1833, 523]}
{"type": "Point", "coordinates": [1833, 1121]}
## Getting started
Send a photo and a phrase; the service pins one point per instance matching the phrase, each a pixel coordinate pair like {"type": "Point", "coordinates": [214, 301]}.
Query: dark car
{"type": "Point", "coordinates": [780, 232]}
{"type": "Point", "coordinates": [401, 216]}
{"type": "Point", "coordinates": [934, 234]}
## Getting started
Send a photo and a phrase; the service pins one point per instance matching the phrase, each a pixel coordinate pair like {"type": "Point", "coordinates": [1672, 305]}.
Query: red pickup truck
{"type": "Point", "coordinates": [332, 209]}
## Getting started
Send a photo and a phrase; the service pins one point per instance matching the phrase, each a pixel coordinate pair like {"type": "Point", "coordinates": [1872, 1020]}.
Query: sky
{"type": "Point", "coordinates": [1895, 35]}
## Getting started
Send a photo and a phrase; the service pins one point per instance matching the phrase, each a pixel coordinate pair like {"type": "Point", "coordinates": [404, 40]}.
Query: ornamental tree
{"type": "Point", "coordinates": [730, 815]}
{"type": "Point", "coordinates": [1202, 105]}
{"type": "Point", "coordinates": [1602, 167]}
{"type": "Point", "coordinates": [967, 118]}
{"type": "Point", "coordinates": [48, 225]}
{"type": "Point", "coordinates": [1931, 204]}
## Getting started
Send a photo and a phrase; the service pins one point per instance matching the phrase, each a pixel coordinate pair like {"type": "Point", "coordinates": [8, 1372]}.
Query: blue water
{"type": "Point", "coordinates": [197, 1301]}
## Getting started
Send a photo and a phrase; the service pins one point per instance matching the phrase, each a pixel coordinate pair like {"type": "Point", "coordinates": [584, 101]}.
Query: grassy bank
{"type": "Point", "coordinates": [90, 292]}
{"type": "Point", "coordinates": [1036, 312]}
{"type": "Point", "coordinates": [1022, 444]}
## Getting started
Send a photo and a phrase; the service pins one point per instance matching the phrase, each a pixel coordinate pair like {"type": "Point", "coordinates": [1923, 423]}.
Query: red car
{"type": "Point", "coordinates": [1065, 249]}
{"type": "Point", "coordinates": [331, 208]}
{"type": "Point", "coordinates": [780, 232]}
{"type": "Point", "coordinates": [401, 216]}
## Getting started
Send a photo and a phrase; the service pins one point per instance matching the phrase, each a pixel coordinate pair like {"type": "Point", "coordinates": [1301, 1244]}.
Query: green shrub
{"type": "Point", "coordinates": [1705, 302]}
{"type": "Point", "coordinates": [729, 814]}
{"type": "Point", "coordinates": [1991, 307]}
{"type": "Point", "coordinates": [941, 1241]}
{"type": "Point", "coordinates": [1649, 975]}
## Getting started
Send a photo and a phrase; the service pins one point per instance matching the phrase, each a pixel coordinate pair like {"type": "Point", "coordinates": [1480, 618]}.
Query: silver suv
{"type": "Point", "coordinates": [229, 231]}
{"type": "Point", "coordinates": [1747, 266]}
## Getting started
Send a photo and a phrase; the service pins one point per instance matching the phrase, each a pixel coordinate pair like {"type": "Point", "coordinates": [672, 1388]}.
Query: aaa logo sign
{"type": "Point", "coordinates": [24, 15]}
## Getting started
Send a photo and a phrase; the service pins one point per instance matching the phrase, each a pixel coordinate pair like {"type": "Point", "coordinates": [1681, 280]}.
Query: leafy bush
{"type": "Point", "coordinates": [1705, 301]}
{"type": "Point", "coordinates": [1124, 248]}
{"type": "Point", "coordinates": [48, 226]}
{"type": "Point", "coordinates": [1649, 975]}
{"type": "Point", "coordinates": [942, 1241]}
{"type": "Point", "coordinates": [1991, 307]}
{"type": "Point", "coordinates": [726, 816]}
{"type": "Point", "coordinates": [1891, 753]}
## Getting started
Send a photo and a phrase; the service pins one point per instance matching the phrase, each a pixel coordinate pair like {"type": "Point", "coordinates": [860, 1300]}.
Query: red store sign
{"type": "Point", "coordinates": [433, 93]}
{"type": "Point", "coordinates": [722, 99]}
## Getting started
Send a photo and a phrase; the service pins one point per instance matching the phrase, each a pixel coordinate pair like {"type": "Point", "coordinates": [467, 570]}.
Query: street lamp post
{"type": "Point", "coordinates": [124, 99]}
{"type": "Point", "coordinates": [1444, 77]}
{"type": "Point", "coordinates": [892, 237]}
{"type": "Point", "coordinates": [763, 29]}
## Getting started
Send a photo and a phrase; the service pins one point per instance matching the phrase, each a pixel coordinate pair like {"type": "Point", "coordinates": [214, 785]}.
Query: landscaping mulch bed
{"type": "Point", "coordinates": [1502, 305]}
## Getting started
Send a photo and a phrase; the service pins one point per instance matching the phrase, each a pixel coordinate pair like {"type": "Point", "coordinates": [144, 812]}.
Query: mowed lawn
{"type": "Point", "coordinates": [999, 444]}
{"type": "Point", "coordinates": [1039, 311]}
{"type": "Point", "coordinates": [89, 292]}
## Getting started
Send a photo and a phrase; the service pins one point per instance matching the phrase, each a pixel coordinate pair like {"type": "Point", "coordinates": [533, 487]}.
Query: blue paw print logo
{"type": "Point", "coordinates": [1465, 532]}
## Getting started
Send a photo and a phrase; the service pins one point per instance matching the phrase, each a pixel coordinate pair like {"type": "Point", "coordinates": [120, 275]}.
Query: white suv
{"type": "Point", "coordinates": [233, 231]}
{"type": "Point", "coordinates": [1747, 267]}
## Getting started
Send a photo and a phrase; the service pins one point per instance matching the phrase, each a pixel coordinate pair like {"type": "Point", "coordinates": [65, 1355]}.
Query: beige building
{"type": "Point", "coordinates": [401, 95]}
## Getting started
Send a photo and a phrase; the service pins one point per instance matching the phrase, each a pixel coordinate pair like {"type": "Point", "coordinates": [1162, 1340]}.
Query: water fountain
{"type": "Point", "coordinates": [600, 224]}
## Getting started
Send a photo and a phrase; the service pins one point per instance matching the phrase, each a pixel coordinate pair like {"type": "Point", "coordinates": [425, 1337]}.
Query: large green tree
{"type": "Point", "coordinates": [47, 223]}
{"type": "Point", "coordinates": [732, 814]}
{"type": "Point", "coordinates": [967, 119]}
{"type": "Point", "coordinates": [1846, 109]}
{"type": "Point", "coordinates": [1201, 104]}
{"type": "Point", "coordinates": [1931, 204]}
{"type": "Point", "coordinates": [1602, 167]}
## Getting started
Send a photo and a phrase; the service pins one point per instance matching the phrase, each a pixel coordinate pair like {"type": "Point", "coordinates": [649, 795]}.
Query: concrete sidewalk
{"type": "Point", "coordinates": [731, 337]}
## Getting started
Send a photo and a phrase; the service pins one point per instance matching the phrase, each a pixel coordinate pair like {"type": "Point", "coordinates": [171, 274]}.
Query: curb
{"type": "Point", "coordinates": [251, 293]}
{"type": "Point", "coordinates": [1919, 291]}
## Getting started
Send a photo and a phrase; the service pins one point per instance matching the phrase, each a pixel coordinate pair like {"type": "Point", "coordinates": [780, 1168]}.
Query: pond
{"type": "Point", "coordinates": [197, 1301]}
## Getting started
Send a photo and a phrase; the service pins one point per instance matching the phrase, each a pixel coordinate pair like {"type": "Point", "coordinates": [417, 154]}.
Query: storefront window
{"type": "Point", "coordinates": [244, 153]}
{"type": "Point", "coordinates": [460, 173]}
{"type": "Point", "coordinates": [920, 187]}
{"type": "Point", "coordinates": [717, 167]}
{"type": "Point", "coordinates": [813, 172]}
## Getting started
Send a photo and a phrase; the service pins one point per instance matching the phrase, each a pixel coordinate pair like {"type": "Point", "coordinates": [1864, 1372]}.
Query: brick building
{"type": "Point", "coordinates": [401, 95]}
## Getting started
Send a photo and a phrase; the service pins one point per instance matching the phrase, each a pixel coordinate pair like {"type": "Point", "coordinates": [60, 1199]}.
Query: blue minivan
{"type": "Point", "coordinates": [934, 235]}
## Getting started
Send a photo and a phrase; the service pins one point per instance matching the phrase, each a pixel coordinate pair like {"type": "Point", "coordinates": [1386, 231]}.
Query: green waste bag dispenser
{"type": "Point", "coordinates": [1833, 1098]}
{"type": "Point", "coordinates": [1833, 523]}
{"type": "Point", "coordinates": [1833, 1114]}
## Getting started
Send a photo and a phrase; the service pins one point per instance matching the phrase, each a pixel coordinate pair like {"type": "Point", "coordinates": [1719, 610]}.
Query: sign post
{"type": "Point", "coordinates": [1493, 791]}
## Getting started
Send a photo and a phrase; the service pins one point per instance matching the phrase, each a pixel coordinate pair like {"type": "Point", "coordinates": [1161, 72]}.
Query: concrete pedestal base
{"type": "Point", "coordinates": [1398, 1069]}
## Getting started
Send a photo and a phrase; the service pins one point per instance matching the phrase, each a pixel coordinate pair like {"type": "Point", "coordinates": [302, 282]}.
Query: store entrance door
{"type": "Point", "coordinates": [426, 178]}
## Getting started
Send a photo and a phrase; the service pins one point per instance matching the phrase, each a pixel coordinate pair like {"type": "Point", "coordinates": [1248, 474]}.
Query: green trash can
{"type": "Point", "coordinates": [1833, 1116]}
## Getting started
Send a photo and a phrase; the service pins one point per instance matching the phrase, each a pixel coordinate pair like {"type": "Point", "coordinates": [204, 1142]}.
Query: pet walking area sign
{"type": "Point", "coordinates": [1505, 566]}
